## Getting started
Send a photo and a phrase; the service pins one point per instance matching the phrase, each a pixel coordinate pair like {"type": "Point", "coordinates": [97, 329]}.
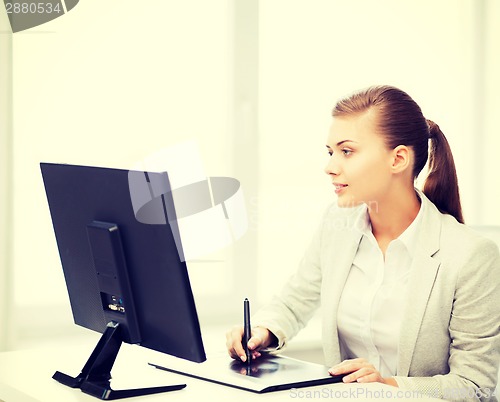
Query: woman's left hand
{"type": "Point", "coordinates": [360, 370]}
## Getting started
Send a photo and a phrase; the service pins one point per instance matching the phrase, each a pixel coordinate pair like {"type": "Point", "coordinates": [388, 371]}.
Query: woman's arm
{"type": "Point", "coordinates": [291, 309]}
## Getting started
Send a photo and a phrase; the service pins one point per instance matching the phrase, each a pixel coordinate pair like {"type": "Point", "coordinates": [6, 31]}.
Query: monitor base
{"type": "Point", "coordinates": [95, 376]}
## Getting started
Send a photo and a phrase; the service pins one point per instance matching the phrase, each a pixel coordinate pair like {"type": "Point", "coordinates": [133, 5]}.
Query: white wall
{"type": "Point", "coordinates": [491, 135]}
{"type": "Point", "coordinates": [108, 84]}
{"type": "Point", "coordinates": [111, 82]}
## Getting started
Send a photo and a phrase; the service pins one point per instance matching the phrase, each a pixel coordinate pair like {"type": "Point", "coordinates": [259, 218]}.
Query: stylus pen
{"type": "Point", "coordinates": [247, 330]}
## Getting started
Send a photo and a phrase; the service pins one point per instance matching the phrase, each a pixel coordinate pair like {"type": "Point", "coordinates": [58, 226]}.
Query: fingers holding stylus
{"type": "Point", "coordinates": [234, 342]}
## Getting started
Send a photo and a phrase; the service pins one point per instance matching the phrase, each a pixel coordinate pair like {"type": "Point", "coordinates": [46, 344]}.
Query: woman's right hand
{"type": "Point", "coordinates": [261, 339]}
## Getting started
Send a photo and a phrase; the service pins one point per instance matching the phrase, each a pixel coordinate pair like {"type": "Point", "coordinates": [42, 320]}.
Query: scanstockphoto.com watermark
{"type": "Point", "coordinates": [354, 393]}
{"type": "Point", "coordinates": [469, 393]}
{"type": "Point", "coordinates": [365, 392]}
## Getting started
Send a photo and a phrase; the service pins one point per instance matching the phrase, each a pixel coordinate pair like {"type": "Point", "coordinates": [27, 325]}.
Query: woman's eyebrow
{"type": "Point", "coordinates": [340, 143]}
{"type": "Point", "coordinates": [343, 141]}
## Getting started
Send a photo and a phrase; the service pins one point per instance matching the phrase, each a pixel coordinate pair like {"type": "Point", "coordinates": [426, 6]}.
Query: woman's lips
{"type": "Point", "coordinates": [339, 187]}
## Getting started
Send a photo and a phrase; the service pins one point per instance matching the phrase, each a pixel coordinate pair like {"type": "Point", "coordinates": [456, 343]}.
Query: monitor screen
{"type": "Point", "coordinates": [118, 269]}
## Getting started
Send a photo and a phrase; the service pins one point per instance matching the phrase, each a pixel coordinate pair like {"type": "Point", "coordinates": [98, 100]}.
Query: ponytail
{"type": "Point", "coordinates": [441, 184]}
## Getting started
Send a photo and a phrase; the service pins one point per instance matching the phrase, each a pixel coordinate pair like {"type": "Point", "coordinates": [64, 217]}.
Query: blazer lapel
{"type": "Point", "coordinates": [423, 273]}
{"type": "Point", "coordinates": [339, 263]}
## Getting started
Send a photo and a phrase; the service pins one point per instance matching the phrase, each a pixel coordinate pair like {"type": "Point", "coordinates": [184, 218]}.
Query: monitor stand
{"type": "Point", "coordinates": [96, 374]}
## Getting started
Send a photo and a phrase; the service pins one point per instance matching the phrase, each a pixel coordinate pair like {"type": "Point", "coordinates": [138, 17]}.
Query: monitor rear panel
{"type": "Point", "coordinates": [164, 304]}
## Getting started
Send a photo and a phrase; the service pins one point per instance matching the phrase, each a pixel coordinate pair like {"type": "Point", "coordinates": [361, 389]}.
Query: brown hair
{"type": "Point", "coordinates": [401, 122]}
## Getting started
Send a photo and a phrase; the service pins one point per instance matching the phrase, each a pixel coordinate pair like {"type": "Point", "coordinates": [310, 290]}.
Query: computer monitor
{"type": "Point", "coordinates": [124, 277]}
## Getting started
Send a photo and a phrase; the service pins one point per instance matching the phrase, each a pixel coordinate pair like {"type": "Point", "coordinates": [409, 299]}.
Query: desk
{"type": "Point", "coordinates": [26, 376]}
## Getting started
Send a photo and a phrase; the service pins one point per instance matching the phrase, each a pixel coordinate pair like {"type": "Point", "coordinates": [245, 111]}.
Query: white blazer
{"type": "Point", "coordinates": [449, 342]}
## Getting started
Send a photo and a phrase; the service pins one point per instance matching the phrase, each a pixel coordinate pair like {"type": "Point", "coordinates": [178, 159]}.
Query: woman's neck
{"type": "Point", "coordinates": [391, 216]}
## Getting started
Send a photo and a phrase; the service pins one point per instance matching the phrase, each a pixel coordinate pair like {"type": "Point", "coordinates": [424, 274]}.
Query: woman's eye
{"type": "Point", "coordinates": [330, 153]}
{"type": "Point", "coordinates": [347, 152]}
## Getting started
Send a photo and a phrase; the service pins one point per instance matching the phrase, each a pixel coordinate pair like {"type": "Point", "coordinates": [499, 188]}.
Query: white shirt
{"type": "Point", "coordinates": [373, 300]}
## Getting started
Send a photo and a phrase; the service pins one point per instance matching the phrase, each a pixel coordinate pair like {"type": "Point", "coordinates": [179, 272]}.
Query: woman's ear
{"type": "Point", "coordinates": [401, 159]}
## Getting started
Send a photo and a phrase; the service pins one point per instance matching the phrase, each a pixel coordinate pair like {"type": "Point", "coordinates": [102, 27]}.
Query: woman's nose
{"type": "Point", "coordinates": [332, 166]}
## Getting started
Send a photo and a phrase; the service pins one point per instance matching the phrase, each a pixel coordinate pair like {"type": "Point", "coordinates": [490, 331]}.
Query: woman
{"type": "Point", "coordinates": [410, 296]}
